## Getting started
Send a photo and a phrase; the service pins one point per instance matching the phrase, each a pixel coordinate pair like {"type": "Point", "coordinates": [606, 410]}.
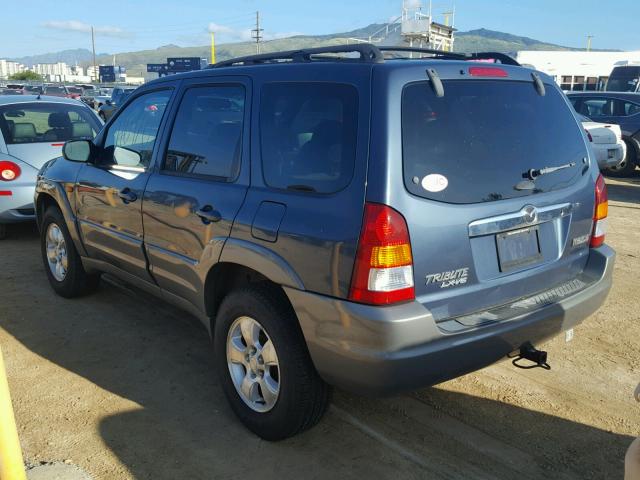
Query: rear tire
{"type": "Point", "coordinates": [301, 395]}
{"type": "Point", "coordinates": [62, 262]}
{"type": "Point", "coordinates": [628, 164]}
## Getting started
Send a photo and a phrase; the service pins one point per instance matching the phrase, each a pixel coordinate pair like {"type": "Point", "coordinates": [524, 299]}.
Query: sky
{"type": "Point", "coordinates": [130, 25]}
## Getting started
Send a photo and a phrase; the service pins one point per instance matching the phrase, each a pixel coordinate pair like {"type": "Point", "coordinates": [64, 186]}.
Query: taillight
{"type": "Point", "coordinates": [600, 213]}
{"type": "Point", "coordinates": [9, 171]}
{"type": "Point", "coordinates": [589, 136]}
{"type": "Point", "coordinates": [488, 72]}
{"type": "Point", "coordinates": [383, 271]}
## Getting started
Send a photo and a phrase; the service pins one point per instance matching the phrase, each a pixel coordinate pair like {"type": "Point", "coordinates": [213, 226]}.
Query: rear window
{"type": "Point", "coordinates": [50, 90]}
{"type": "Point", "coordinates": [624, 79]}
{"type": "Point", "coordinates": [475, 144]}
{"type": "Point", "coordinates": [46, 122]}
{"type": "Point", "coordinates": [308, 135]}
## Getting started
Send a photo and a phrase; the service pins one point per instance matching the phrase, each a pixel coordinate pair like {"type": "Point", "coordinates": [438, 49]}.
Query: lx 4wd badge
{"type": "Point", "coordinates": [450, 278]}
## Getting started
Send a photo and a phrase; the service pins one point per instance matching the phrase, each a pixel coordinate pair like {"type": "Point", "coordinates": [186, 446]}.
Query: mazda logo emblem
{"type": "Point", "coordinates": [529, 214]}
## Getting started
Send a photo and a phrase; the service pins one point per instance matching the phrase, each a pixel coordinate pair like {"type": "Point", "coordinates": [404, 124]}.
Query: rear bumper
{"type": "Point", "coordinates": [602, 154]}
{"type": "Point", "coordinates": [17, 207]}
{"type": "Point", "coordinates": [385, 350]}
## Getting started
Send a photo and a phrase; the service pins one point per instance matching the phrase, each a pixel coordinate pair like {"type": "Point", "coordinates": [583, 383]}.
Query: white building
{"type": "Point", "coordinates": [8, 68]}
{"type": "Point", "coordinates": [577, 70]}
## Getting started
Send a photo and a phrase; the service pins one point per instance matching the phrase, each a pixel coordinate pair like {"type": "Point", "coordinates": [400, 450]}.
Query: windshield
{"type": "Point", "coordinates": [47, 122]}
{"type": "Point", "coordinates": [624, 79]}
{"type": "Point", "coordinates": [476, 143]}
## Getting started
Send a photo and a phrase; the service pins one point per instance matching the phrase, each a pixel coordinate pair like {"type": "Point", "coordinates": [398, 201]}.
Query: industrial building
{"type": "Point", "coordinates": [577, 70]}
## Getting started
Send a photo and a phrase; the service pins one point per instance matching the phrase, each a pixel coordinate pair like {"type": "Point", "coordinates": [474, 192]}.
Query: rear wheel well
{"type": "Point", "coordinates": [224, 278]}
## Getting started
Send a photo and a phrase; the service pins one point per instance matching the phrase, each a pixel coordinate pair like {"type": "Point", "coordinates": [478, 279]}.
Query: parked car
{"type": "Point", "coordinates": [118, 97]}
{"type": "Point", "coordinates": [10, 91]}
{"type": "Point", "coordinates": [56, 91]}
{"type": "Point", "coordinates": [376, 224]}
{"type": "Point", "coordinates": [606, 141]}
{"type": "Point", "coordinates": [33, 89]}
{"type": "Point", "coordinates": [624, 78]}
{"type": "Point", "coordinates": [74, 92]}
{"type": "Point", "coordinates": [32, 131]}
{"type": "Point", "coordinates": [618, 108]}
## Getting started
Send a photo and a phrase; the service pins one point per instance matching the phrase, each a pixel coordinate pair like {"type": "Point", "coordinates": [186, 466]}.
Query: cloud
{"type": "Point", "coordinates": [229, 33]}
{"type": "Point", "coordinates": [77, 26]}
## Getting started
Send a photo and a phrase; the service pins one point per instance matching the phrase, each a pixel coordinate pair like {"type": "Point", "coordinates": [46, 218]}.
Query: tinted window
{"type": "Point", "coordinates": [207, 133]}
{"type": "Point", "coordinates": [624, 79]}
{"type": "Point", "coordinates": [308, 135]}
{"type": "Point", "coordinates": [482, 136]}
{"type": "Point", "coordinates": [46, 122]}
{"type": "Point", "coordinates": [631, 108]}
{"type": "Point", "coordinates": [596, 107]}
{"type": "Point", "coordinates": [54, 90]}
{"type": "Point", "coordinates": [131, 137]}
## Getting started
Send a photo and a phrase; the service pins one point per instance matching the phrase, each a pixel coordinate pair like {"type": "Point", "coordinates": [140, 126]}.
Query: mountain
{"type": "Point", "coordinates": [69, 57]}
{"type": "Point", "coordinates": [492, 41]}
{"type": "Point", "coordinates": [135, 62]}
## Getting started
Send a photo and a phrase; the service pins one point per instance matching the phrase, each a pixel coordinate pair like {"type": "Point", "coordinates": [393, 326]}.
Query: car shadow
{"type": "Point", "coordinates": [159, 358]}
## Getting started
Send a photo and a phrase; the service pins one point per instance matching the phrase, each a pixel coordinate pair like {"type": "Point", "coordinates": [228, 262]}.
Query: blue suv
{"type": "Point", "coordinates": [343, 216]}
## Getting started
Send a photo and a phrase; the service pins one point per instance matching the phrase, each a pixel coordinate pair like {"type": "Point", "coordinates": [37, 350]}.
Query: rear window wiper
{"type": "Point", "coordinates": [534, 173]}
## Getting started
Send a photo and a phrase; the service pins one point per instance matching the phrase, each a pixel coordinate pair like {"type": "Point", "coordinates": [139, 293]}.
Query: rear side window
{"type": "Point", "coordinates": [308, 135]}
{"type": "Point", "coordinates": [476, 143]}
{"type": "Point", "coordinates": [46, 122]}
{"type": "Point", "coordinates": [207, 133]}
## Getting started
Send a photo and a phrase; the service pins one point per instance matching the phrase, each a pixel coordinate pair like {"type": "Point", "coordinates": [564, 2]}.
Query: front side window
{"type": "Point", "coordinates": [207, 134]}
{"type": "Point", "coordinates": [597, 107]}
{"type": "Point", "coordinates": [308, 135]}
{"type": "Point", "coordinates": [132, 135]}
{"type": "Point", "coordinates": [46, 122]}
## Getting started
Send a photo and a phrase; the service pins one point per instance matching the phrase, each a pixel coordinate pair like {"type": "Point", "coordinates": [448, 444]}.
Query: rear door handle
{"type": "Point", "coordinates": [209, 215]}
{"type": "Point", "coordinates": [127, 196]}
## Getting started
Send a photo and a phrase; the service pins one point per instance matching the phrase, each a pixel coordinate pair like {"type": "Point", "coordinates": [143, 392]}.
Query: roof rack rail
{"type": "Point", "coordinates": [440, 54]}
{"type": "Point", "coordinates": [368, 53]}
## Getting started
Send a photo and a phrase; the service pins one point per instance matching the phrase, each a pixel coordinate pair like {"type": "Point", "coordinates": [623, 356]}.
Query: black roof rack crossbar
{"type": "Point", "coordinates": [436, 53]}
{"type": "Point", "coordinates": [368, 53]}
{"type": "Point", "coordinates": [440, 54]}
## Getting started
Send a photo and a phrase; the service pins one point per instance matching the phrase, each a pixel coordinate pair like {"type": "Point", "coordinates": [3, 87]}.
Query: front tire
{"type": "Point", "coordinates": [264, 366]}
{"type": "Point", "coordinates": [62, 262]}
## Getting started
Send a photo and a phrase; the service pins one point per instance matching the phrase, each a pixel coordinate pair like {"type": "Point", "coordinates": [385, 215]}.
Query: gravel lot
{"type": "Point", "coordinates": [121, 385]}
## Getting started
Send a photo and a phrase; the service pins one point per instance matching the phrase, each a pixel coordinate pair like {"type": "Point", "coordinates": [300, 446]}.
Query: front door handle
{"type": "Point", "coordinates": [209, 215]}
{"type": "Point", "coordinates": [127, 196]}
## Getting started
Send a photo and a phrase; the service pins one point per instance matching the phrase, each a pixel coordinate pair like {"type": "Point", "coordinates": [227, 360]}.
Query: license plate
{"type": "Point", "coordinates": [518, 248]}
{"type": "Point", "coordinates": [611, 153]}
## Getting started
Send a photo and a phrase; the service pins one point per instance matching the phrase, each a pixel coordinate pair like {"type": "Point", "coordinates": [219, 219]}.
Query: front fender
{"type": "Point", "coordinates": [56, 181]}
{"type": "Point", "coordinates": [262, 260]}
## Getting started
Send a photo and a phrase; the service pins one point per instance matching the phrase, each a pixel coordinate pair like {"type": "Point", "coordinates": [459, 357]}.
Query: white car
{"type": "Point", "coordinates": [606, 142]}
{"type": "Point", "coordinates": [33, 130]}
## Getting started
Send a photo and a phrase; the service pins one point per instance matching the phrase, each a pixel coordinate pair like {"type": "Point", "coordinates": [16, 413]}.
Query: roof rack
{"type": "Point", "coordinates": [367, 53]}
{"type": "Point", "coordinates": [442, 55]}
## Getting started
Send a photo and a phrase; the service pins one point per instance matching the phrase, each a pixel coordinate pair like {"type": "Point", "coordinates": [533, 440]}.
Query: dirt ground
{"type": "Point", "coordinates": [121, 385]}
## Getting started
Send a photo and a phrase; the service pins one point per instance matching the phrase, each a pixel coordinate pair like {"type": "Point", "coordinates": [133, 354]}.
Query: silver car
{"type": "Point", "coordinates": [33, 130]}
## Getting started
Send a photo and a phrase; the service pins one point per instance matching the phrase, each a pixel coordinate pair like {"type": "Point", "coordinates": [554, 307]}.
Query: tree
{"type": "Point", "coordinates": [26, 75]}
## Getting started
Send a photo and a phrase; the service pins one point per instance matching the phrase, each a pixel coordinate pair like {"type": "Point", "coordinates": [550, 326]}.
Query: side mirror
{"type": "Point", "coordinates": [77, 150]}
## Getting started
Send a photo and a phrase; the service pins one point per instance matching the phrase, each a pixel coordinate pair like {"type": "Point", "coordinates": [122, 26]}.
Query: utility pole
{"type": "Point", "coordinates": [93, 46]}
{"type": "Point", "coordinates": [589, 37]}
{"type": "Point", "coordinates": [257, 32]}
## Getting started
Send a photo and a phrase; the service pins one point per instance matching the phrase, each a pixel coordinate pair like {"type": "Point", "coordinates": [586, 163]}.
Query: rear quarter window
{"type": "Point", "coordinates": [480, 139]}
{"type": "Point", "coordinates": [308, 135]}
